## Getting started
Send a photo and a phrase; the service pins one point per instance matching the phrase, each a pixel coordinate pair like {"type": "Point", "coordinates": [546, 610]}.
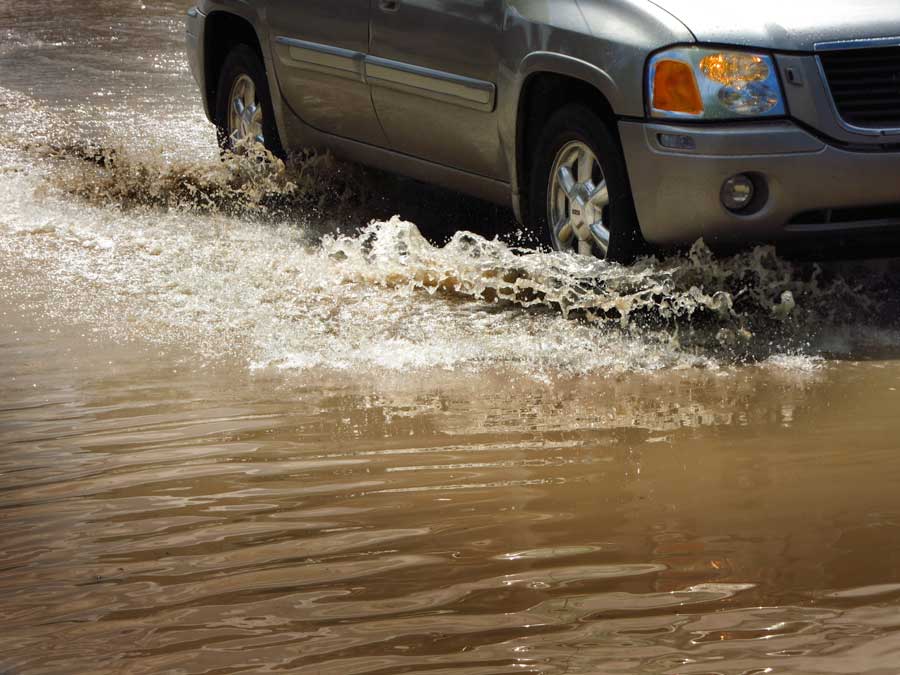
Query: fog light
{"type": "Point", "coordinates": [737, 192]}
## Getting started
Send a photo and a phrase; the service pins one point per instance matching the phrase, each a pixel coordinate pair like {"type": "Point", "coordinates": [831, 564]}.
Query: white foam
{"type": "Point", "coordinates": [177, 251]}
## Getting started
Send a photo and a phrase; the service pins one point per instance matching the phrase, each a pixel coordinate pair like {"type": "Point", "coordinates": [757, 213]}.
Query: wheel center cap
{"type": "Point", "coordinates": [580, 205]}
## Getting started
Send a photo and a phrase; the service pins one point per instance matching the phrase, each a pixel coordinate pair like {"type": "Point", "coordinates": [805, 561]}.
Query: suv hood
{"type": "Point", "coordinates": [786, 24]}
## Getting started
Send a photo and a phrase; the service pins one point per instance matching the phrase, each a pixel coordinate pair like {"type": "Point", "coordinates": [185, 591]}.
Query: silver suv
{"type": "Point", "coordinates": [607, 125]}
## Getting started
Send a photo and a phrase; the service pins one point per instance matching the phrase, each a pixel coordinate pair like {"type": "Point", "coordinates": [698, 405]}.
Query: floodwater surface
{"type": "Point", "coordinates": [252, 423]}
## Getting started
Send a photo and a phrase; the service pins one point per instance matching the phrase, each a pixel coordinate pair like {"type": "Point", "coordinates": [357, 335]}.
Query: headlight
{"type": "Point", "coordinates": [700, 83]}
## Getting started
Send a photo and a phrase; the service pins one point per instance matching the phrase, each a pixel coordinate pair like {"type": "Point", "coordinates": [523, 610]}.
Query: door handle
{"type": "Point", "coordinates": [389, 5]}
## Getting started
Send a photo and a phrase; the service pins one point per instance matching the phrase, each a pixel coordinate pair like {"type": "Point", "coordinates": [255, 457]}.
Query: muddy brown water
{"type": "Point", "coordinates": [258, 439]}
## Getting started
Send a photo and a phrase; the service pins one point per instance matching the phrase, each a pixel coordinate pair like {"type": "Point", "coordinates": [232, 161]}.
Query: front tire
{"type": "Point", "coordinates": [244, 112]}
{"type": "Point", "coordinates": [579, 197]}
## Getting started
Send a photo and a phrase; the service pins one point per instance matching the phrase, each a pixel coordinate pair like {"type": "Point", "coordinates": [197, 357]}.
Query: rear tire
{"type": "Point", "coordinates": [593, 208]}
{"type": "Point", "coordinates": [243, 78]}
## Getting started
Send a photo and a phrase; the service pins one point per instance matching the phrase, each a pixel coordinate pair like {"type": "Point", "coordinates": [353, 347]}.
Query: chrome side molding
{"type": "Point", "coordinates": [430, 83]}
{"type": "Point", "coordinates": [397, 75]}
{"type": "Point", "coordinates": [325, 58]}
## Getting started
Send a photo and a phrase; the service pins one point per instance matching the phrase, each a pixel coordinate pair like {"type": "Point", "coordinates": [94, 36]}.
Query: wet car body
{"type": "Point", "coordinates": [451, 92]}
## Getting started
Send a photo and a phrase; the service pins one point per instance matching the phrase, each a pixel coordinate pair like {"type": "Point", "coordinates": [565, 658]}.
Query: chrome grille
{"type": "Point", "coordinates": [865, 85]}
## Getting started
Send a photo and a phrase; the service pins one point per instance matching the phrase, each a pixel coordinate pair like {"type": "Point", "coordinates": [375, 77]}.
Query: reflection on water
{"type": "Point", "coordinates": [242, 431]}
{"type": "Point", "coordinates": [163, 515]}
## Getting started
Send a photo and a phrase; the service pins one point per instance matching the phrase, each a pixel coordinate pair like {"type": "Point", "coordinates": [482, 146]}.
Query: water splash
{"type": "Point", "coordinates": [248, 183]}
{"type": "Point", "coordinates": [244, 254]}
{"type": "Point", "coordinates": [746, 305]}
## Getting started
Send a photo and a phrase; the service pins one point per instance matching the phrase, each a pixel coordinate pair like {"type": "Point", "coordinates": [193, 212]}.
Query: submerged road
{"type": "Point", "coordinates": [245, 429]}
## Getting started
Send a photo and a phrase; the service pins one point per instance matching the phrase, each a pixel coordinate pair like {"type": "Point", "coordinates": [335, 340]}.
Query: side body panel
{"type": "Point", "coordinates": [318, 47]}
{"type": "Point", "coordinates": [433, 76]}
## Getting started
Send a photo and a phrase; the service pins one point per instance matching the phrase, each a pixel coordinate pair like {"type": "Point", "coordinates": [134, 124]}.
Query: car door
{"type": "Point", "coordinates": [319, 48]}
{"type": "Point", "coordinates": [433, 68]}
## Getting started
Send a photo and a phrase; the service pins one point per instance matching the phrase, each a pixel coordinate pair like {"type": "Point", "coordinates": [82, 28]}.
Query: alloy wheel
{"type": "Point", "coordinates": [245, 115]}
{"type": "Point", "coordinates": [577, 201]}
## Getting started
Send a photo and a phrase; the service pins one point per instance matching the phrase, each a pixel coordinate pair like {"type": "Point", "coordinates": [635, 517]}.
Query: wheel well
{"type": "Point", "coordinates": [224, 32]}
{"type": "Point", "coordinates": [542, 95]}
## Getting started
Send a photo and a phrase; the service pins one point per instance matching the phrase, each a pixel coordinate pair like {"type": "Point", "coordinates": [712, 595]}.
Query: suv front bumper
{"type": "Point", "coordinates": [677, 193]}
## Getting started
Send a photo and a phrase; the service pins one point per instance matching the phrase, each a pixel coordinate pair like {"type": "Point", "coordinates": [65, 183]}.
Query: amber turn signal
{"type": "Point", "coordinates": [675, 88]}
